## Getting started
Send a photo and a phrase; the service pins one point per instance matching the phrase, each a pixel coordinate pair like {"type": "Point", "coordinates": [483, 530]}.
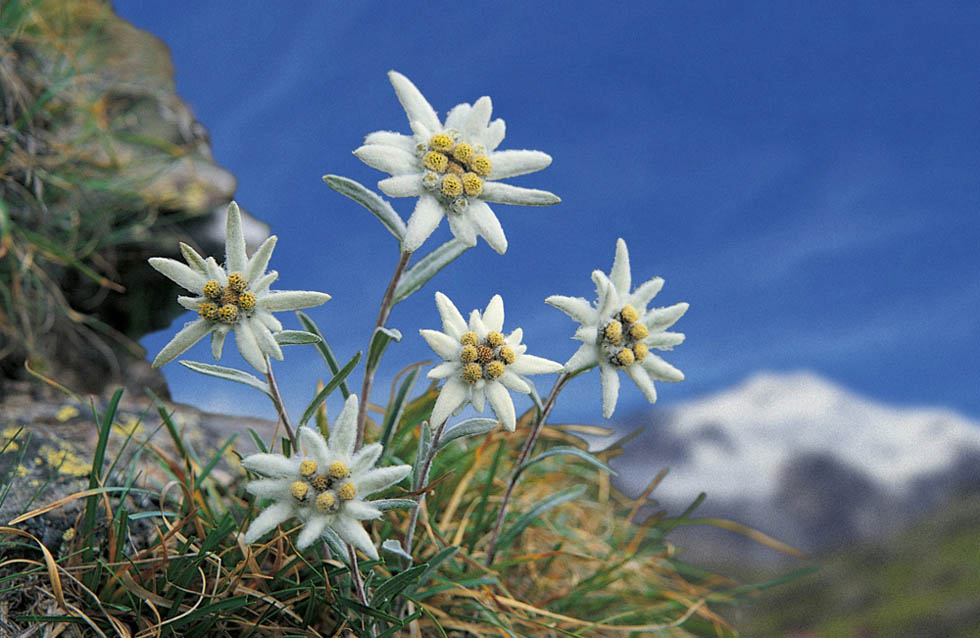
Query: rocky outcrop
{"type": "Point", "coordinates": [101, 166]}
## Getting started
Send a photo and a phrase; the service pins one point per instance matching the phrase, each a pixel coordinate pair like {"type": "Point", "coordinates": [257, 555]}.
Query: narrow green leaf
{"type": "Point", "coordinates": [229, 374]}
{"type": "Point", "coordinates": [296, 338]}
{"type": "Point", "coordinates": [528, 517]}
{"type": "Point", "coordinates": [214, 459]}
{"type": "Point", "coordinates": [337, 380]}
{"type": "Point", "coordinates": [393, 546]}
{"type": "Point", "coordinates": [393, 503]}
{"type": "Point", "coordinates": [469, 427]}
{"type": "Point", "coordinates": [379, 341]}
{"type": "Point", "coordinates": [394, 585]}
{"type": "Point", "coordinates": [95, 476]}
{"type": "Point", "coordinates": [257, 440]}
{"type": "Point", "coordinates": [324, 349]}
{"type": "Point", "coordinates": [441, 557]}
{"type": "Point", "coordinates": [574, 451]}
{"type": "Point", "coordinates": [427, 267]}
{"type": "Point", "coordinates": [369, 200]}
{"type": "Point", "coordinates": [425, 447]}
{"type": "Point", "coordinates": [396, 407]}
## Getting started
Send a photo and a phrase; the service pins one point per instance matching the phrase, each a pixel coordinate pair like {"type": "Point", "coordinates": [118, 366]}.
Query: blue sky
{"type": "Point", "coordinates": [806, 177]}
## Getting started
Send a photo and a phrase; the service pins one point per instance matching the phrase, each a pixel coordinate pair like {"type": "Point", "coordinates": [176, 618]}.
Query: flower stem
{"type": "Point", "coordinates": [280, 406]}
{"type": "Point", "coordinates": [423, 475]}
{"type": "Point", "coordinates": [525, 452]}
{"type": "Point", "coordinates": [355, 573]}
{"type": "Point", "coordinates": [386, 303]}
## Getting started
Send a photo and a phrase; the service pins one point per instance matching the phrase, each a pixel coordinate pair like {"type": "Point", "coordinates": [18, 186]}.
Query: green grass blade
{"type": "Point", "coordinates": [337, 380]}
{"type": "Point", "coordinates": [528, 517]}
{"type": "Point", "coordinates": [323, 349]}
{"type": "Point", "coordinates": [573, 451]}
{"type": "Point", "coordinates": [397, 406]}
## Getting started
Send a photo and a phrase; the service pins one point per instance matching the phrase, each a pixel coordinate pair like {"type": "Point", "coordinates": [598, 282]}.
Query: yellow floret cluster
{"type": "Point", "coordinates": [623, 337]}
{"type": "Point", "coordinates": [226, 303]}
{"type": "Point", "coordinates": [484, 360]}
{"type": "Point", "coordinates": [455, 170]}
{"type": "Point", "coordinates": [323, 491]}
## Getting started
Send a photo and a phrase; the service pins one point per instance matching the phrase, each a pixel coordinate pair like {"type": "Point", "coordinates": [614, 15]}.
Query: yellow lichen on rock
{"type": "Point", "coordinates": [64, 460]}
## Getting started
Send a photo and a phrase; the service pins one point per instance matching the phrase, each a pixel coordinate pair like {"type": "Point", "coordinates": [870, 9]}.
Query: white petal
{"type": "Point", "coordinates": [258, 262]}
{"type": "Point", "coordinates": [361, 511]}
{"type": "Point", "coordinates": [421, 132]}
{"type": "Point", "coordinates": [661, 370]}
{"type": "Point", "coordinates": [512, 163]}
{"type": "Point", "coordinates": [514, 339]}
{"type": "Point", "coordinates": [191, 303]}
{"type": "Point", "coordinates": [218, 343]}
{"type": "Point", "coordinates": [530, 364]}
{"type": "Point", "coordinates": [390, 138]}
{"type": "Point", "coordinates": [268, 320]}
{"type": "Point", "coordinates": [262, 284]}
{"type": "Point", "coordinates": [193, 259]}
{"type": "Point", "coordinates": [663, 318]}
{"type": "Point", "coordinates": [586, 356]}
{"type": "Point", "coordinates": [263, 336]}
{"type": "Point", "coordinates": [514, 382]}
{"type": "Point", "coordinates": [578, 308]}
{"type": "Point", "coordinates": [343, 434]}
{"type": "Point", "coordinates": [353, 532]}
{"type": "Point", "coordinates": [477, 119]}
{"type": "Point", "coordinates": [487, 225]}
{"type": "Point", "coordinates": [620, 273]}
{"type": "Point", "coordinates": [462, 229]}
{"type": "Point", "coordinates": [274, 465]}
{"type": "Point", "coordinates": [452, 395]}
{"type": "Point", "coordinates": [586, 334]}
{"type": "Point", "coordinates": [493, 316]}
{"type": "Point", "coordinates": [426, 216]}
{"type": "Point", "coordinates": [412, 100]}
{"type": "Point", "coordinates": [443, 345]}
{"type": "Point", "coordinates": [235, 240]}
{"type": "Point", "coordinates": [380, 479]}
{"type": "Point", "coordinates": [214, 271]}
{"type": "Point", "coordinates": [312, 530]}
{"type": "Point", "coordinates": [291, 300]}
{"type": "Point", "coordinates": [269, 488]}
{"type": "Point", "coordinates": [494, 134]}
{"type": "Point", "coordinates": [181, 274]}
{"type": "Point", "coordinates": [389, 159]}
{"type": "Point", "coordinates": [664, 340]}
{"type": "Point", "coordinates": [456, 119]}
{"type": "Point", "coordinates": [645, 292]}
{"type": "Point", "coordinates": [267, 520]}
{"type": "Point", "coordinates": [453, 323]}
{"type": "Point", "coordinates": [606, 295]}
{"type": "Point", "coordinates": [365, 458]}
{"type": "Point", "coordinates": [444, 369]}
{"type": "Point", "coordinates": [642, 380]}
{"type": "Point", "coordinates": [506, 194]}
{"type": "Point", "coordinates": [249, 347]}
{"type": "Point", "coordinates": [313, 445]}
{"type": "Point", "coordinates": [478, 397]}
{"type": "Point", "coordinates": [502, 405]}
{"type": "Point", "coordinates": [610, 389]}
{"type": "Point", "coordinates": [401, 186]}
{"type": "Point", "coordinates": [477, 325]}
{"type": "Point", "coordinates": [190, 334]}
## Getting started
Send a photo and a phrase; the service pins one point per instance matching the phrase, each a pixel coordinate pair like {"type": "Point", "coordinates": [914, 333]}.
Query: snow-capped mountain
{"type": "Point", "coordinates": [803, 458]}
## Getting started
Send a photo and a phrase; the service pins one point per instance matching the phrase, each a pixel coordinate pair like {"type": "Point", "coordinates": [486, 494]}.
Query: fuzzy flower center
{"type": "Point", "coordinates": [622, 338]}
{"type": "Point", "coordinates": [454, 170]}
{"type": "Point", "coordinates": [226, 303]}
{"type": "Point", "coordinates": [485, 359]}
{"type": "Point", "coordinates": [323, 488]}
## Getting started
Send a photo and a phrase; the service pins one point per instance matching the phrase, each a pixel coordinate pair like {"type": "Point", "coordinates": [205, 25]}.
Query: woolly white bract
{"type": "Point", "coordinates": [618, 331]}
{"type": "Point", "coordinates": [325, 486]}
{"type": "Point", "coordinates": [452, 167]}
{"type": "Point", "coordinates": [480, 362]}
{"type": "Point", "coordinates": [234, 297]}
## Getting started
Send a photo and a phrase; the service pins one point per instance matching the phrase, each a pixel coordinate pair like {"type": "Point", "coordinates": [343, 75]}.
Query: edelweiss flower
{"type": "Point", "coordinates": [236, 297]}
{"type": "Point", "coordinates": [325, 486]}
{"type": "Point", "coordinates": [618, 332]}
{"type": "Point", "coordinates": [452, 168]}
{"type": "Point", "coordinates": [480, 362]}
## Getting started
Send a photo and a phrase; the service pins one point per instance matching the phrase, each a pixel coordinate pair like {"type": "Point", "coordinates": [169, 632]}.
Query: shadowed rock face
{"type": "Point", "coordinates": [106, 166]}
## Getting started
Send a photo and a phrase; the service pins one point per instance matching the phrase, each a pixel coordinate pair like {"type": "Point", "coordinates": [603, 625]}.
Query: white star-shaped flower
{"type": "Point", "coordinates": [619, 331]}
{"type": "Point", "coordinates": [234, 297]}
{"type": "Point", "coordinates": [480, 362]}
{"type": "Point", "coordinates": [453, 168]}
{"type": "Point", "coordinates": [324, 486]}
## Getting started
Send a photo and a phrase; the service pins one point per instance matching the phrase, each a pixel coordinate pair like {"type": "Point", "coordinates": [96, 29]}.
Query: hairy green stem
{"type": "Point", "coordinates": [386, 303]}
{"type": "Point", "coordinates": [280, 406]}
{"type": "Point", "coordinates": [427, 462]}
{"type": "Point", "coordinates": [525, 452]}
